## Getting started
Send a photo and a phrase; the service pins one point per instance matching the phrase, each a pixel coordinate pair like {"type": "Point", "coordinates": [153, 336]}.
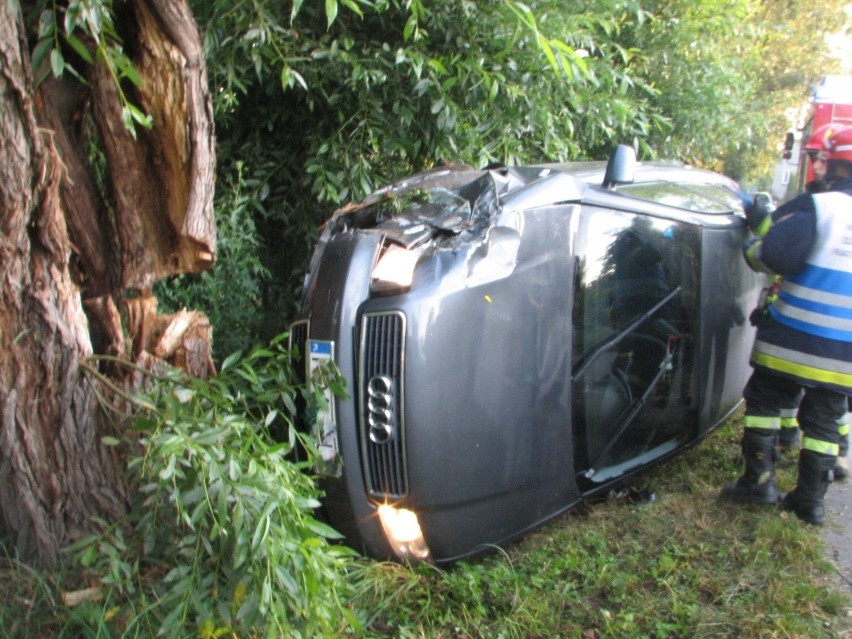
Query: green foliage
{"type": "Point", "coordinates": [323, 114]}
{"type": "Point", "coordinates": [317, 103]}
{"type": "Point", "coordinates": [231, 292]}
{"type": "Point", "coordinates": [786, 56]}
{"type": "Point", "coordinates": [689, 49]}
{"type": "Point", "coordinates": [82, 32]}
{"type": "Point", "coordinates": [729, 74]}
{"type": "Point", "coordinates": [222, 536]}
{"type": "Point", "coordinates": [323, 106]}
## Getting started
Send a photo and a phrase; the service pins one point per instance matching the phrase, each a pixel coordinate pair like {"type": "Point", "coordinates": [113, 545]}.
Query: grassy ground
{"type": "Point", "coordinates": [683, 565]}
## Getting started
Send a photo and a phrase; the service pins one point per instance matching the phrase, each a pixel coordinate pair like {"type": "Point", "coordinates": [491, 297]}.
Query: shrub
{"type": "Point", "coordinates": [221, 538]}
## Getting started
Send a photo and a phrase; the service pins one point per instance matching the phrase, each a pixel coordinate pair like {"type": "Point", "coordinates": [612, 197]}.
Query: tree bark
{"type": "Point", "coordinates": [73, 245]}
{"type": "Point", "coordinates": [54, 474]}
{"type": "Point", "coordinates": [162, 182]}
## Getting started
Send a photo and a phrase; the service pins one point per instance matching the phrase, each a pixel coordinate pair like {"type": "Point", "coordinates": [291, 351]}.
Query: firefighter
{"type": "Point", "coordinates": [788, 437]}
{"type": "Point", "coordinates": [816, 152]}
{"type": "Point", "coordinates": [805, 342]}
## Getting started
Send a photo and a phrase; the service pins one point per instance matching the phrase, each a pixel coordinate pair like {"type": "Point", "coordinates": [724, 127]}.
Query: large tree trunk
{"type": "Point", "coordinates": [65, 254]}
{"type": "Point", "coordinates": [54, 475]}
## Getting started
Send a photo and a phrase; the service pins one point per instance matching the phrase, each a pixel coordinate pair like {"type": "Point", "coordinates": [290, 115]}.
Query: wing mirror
{"type": "Point", "coordinates": [621, 167]}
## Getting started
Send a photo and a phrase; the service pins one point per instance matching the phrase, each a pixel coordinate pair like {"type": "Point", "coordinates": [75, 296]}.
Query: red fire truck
{"type": "Point", "coordinates": [832, 102]}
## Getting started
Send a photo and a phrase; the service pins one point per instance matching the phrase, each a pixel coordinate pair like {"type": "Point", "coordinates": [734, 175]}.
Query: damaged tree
{"type": "Point", "coordinates": [81, 248]}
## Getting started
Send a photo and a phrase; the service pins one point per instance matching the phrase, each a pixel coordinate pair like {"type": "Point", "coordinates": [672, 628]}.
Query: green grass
{"type": "Point", "coordinates": [682, 566]}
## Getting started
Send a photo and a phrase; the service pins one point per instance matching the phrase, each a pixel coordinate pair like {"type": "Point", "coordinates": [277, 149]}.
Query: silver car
{"type": "Point", "coordinates": [518, 339]}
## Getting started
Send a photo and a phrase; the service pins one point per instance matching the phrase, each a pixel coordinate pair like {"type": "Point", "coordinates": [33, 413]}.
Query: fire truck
{"type": "Point", "coordinates": [831, 102]}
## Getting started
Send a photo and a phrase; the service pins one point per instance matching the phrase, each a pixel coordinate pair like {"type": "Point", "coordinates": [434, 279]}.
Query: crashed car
{"type": "Point", "coordinates": [519, 339]}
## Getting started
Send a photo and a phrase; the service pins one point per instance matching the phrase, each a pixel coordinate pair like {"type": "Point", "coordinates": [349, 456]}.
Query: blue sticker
{"type": "Point", "coordinates": [321, 348]}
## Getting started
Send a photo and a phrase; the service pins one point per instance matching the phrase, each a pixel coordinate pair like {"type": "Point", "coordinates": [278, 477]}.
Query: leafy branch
{"type": "Point", "coordinates": [222, 538]}
{"type": "Point", "coordinates": [86, 28]}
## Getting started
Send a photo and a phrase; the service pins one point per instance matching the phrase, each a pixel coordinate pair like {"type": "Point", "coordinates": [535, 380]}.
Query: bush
{"type": "Point", "coordinates": [222, 538]}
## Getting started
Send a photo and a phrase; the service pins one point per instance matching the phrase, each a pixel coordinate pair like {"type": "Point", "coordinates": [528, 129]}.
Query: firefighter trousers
{"type": "Point", "coordinates": [820, 410]}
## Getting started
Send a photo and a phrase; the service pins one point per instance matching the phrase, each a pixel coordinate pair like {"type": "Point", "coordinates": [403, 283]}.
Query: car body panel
{"type": "Point", "coordinates": [556, 338]}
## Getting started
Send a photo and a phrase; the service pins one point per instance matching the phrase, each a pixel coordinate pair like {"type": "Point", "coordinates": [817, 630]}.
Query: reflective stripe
{"type": "Point", "coordinates": [789, 422]}
{"type": "Point", "coordinates": [806, 293]}
{"type": "Point", "coordinates": [826, 364]}
{"type": "Point", "coordinates": [810, 337]}
{"type": "Point", "coordinates": [801, 371]}
{"type": "Point", "coordinates": [844, 429]}
{"type": "Point", "coordinates": [752, 256]}
{"type": "Point", "coordinates": [759, 421]}
{"type": "Point", "coordinates": [764, 226]}
{"type": "Point", "coordinates": [821, 447]}
{"type": "Point", "coordinates": [818, 299]}
{"type": "Point", "coordinates": [812, 321]}
{"type": "Point", "coordinates": [823, 279]}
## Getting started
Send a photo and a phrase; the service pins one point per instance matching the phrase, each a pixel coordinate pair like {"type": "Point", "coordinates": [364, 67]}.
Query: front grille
{"type": "Point", "coordinates": [381, 402]}
{"type": "Point", "coordinates": [298, 343]}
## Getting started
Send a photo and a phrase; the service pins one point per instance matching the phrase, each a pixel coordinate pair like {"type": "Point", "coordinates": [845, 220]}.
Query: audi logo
{"type": "Point", "coordinates": [380, 409]}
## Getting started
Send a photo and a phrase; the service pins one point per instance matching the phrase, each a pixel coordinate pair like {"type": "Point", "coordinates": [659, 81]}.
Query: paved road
{"type": "Point", "coordinates": [837, 531]}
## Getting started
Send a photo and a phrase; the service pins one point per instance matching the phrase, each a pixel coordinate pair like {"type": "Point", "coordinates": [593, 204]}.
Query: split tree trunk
{"type": "Point", "coordinates": [68, 260]}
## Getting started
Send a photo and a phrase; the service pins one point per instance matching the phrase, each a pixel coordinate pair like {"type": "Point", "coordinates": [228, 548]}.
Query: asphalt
{"type": "Point", "coordinates": [837, 531]}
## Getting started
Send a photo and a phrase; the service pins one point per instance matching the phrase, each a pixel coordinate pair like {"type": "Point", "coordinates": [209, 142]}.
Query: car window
{"type": "Point", "coordinates": [632, 314]}
{"type": "Point", "coordinates": [702, 198]}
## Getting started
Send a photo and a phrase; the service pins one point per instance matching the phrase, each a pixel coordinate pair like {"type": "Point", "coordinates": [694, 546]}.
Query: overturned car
{"type": "Point", "coordinates": [516, 340]}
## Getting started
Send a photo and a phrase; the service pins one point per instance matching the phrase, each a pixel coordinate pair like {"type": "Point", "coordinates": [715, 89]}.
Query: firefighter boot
{"type": "Point", "coordinates": [807, 500]}
{"type": "Point", "coordinates": [757, 484]}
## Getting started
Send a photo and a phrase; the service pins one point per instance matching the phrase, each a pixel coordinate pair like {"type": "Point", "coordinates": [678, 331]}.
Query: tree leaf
{"type": "Point", "coordinates": [331, 11]}
{"type": "Point", "coordinates": [79, 47]}
{"type": "Point", "coordinates": [57, 63]}
{"type": "Point", "coordinates": [41, 51]}
{"type": "Point", "coordinates": [297, 6]}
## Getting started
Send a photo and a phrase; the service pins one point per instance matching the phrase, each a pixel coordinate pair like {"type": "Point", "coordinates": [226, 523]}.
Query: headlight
{"type": "Point", "coordinates": [394, 270]}
{"type": "Point", "coordinates": [403, 532]}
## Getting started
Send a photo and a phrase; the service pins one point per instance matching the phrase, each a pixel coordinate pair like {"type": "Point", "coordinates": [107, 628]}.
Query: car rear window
{"type": "Point", "coordinates": [701, 198]}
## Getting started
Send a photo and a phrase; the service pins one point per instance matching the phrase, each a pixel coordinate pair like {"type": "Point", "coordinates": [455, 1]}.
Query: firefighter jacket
{"type": "Point", "coordinates": [808, 333]}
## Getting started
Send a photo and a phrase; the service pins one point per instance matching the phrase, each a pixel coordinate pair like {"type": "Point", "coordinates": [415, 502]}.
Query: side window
{"type": "Point", "coordinates": [634, 289]}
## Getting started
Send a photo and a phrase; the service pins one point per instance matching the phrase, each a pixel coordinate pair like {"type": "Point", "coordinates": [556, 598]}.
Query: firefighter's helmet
{"type": "Point", "coordinates": [838, 145]}
{"type": "Point", "coordinates": [817, 141]}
